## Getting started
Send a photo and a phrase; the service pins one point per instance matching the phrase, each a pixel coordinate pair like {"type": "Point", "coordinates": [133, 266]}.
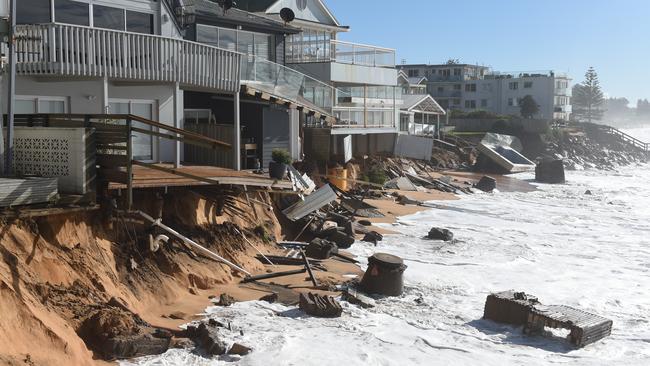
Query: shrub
{"type": "Point", "coordinates": [377, 175]}
{"type": "Point", "coordinates": [281, 156]}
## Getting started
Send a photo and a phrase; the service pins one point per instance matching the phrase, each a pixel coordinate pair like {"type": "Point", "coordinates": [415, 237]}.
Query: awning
{"type": "Point", "coordinates": [424, 104]}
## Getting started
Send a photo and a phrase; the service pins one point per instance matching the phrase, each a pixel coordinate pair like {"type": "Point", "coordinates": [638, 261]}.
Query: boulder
{"type": "Point", "coordinates": [321, 249]}
{"type": "Point", "coordinates": [440, 234]}
{"type": "Point", "coordinates": [226, 300]}
{"type": "Point", "coordinates": [342, 240]}
{"type": "Point", "coordinates": [486, 184]}
{"type": "Point", "coordinates": [320, 305]}
{"type": "Point", "coordinates": [373, 237]}
{"type": "Point", "coordinates": [207, 337]}
{"type": "Point", "coordinates": [238, 349]}
{"type": "Point", "coordinates": [364, 222]}
{"type": "Point", "coordinates": [550, 171]}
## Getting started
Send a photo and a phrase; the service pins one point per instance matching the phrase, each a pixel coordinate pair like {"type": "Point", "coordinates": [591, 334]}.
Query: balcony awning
{"type": "Point", "coordinates": [424, 104]}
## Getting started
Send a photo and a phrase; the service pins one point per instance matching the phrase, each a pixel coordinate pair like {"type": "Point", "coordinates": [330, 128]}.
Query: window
{"type": "Point", "coordinates": [484, 103]}
{"type": "Point", "coordinates": [414, 73]}
{"type": "Point", "coordinates": [528, 84]}
{"type": "Point", "coordinates": [142, 143]}
{"type": "Point", "coordinates": [33, 11]}
{"type": "Point", "coordinates": [457, 87]}
{"type": "Point", "coordinates": [470, 104]}
{"type": "Point", "coordinates": [30, 105]}
{"type": "Point", "coordinates": [457, 72]}
{"type": "Point", "coordinates": [513, 85]}
{"type": "Point", "coordinates": [71, 12]}
{"type": "Point", "coordinates": [456, 102]}
{"type": "Point", "coordinates": [108, 18]}
{"type": "Point", "coordinates": [470, 87]}
{"type": "Point", "coordinates": [227, 39]}
{"type": "Point", "coordinates": [139, 22]}
{"type": "Point", "coordinates": [511, 102]}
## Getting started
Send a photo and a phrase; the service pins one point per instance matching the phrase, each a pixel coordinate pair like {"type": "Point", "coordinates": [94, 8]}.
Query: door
{"type": "Point", "coordinates": [142, 143]}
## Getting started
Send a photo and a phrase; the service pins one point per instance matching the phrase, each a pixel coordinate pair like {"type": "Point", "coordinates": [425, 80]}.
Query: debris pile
{"type": "Point", "coordinates": [518, 308]}
{"type": "Point", "coordinates": [320, 305]}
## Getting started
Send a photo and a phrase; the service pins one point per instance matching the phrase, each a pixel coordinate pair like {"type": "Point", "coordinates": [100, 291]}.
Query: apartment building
{"type": "Point", "coordinates": [473, 87]}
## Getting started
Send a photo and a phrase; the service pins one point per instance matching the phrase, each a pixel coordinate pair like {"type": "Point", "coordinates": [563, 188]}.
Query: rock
{"type": "Point", "coordinates": [486, 184]}
{"type": "Point", "coordinates": [550, 171]}
{"type": "Point", "coordinates": [403, 200]}
{"type": "Point", "coordinates": [238, 349]}
{"type": "Point", "coordinates": [192, 290]}
{"type": "Point", "coordinates": [321, 249]}
{"type": "Point", "coordinates": [114, 333]}
{"type": "Point", "coordinates": [207, 337]}
{"type": "Point", "coordinates": [353, 296]}
{"type": "Point", "coordinates": [364, 222]}
{"type": "Point", "coordinates": [373, 237]}
{"type": "Point", "coordinates": [588, 193]}
{"type": "Point", "coordinates": [226, 300]}
{"type": "Point", "coordinates": [342, 240]}
{"type": "Point", "coordinates": [181, 343]}
{"type": "Point", "coordinates": [440, 234]}
{"type": "Point", "coordinates": [320, 306]}
{"type": "Point", "coordinates": [270, 298]}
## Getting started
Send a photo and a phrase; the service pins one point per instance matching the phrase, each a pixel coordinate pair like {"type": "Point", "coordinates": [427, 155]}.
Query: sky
{"type": "Point", "coordinates": [568, 36]}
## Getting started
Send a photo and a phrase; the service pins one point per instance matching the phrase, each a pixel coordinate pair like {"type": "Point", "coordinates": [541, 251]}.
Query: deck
{"type": "Point", "coordinates": [187, 176]}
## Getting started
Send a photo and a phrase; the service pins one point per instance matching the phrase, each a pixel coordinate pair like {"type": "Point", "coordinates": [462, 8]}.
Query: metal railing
{"type": "Point", "coordinates": [70, 50]}
{"type": "Point", "coordinates": [287, 83]}
{"type": "Point", "coordinates": [626, 138]}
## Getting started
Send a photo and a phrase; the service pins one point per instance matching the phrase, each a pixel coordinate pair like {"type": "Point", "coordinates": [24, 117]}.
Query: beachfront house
{"type": "Point", "coordinates": [367, 98]}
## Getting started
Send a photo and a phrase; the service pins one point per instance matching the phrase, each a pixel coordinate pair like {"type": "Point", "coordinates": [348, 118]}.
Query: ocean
{"type": "Point", "coordinates": [589, 251]}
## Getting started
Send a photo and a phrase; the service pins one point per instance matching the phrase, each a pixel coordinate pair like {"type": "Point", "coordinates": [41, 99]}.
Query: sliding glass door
{"type": "Point", "coordinates": [142, 143]}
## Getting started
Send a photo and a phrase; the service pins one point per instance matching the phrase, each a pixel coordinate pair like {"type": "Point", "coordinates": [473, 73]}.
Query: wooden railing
{"type": "Point", "coordinates": [113, 140]}
{"type": "Point", "coordinates": [70, 50]}
{"type": "Point", "coordinates": [627, 138]}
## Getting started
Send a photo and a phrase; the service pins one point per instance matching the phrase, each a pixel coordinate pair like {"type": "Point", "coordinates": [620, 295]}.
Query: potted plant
{"type": "Point", "coordinates": [278, 167]}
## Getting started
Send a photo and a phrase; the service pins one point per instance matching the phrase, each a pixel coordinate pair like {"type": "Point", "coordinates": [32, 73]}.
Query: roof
{"type": "Point", "coordinates": [417, 80]}
{"type": "Point", "coordinates": [421, 103]}
{"type": "Point", "coordinates": [274, 6]}
{"type": "Point", "coordinates": [212, 13]}
{"type": "Point", "coordinates": [442, 65]}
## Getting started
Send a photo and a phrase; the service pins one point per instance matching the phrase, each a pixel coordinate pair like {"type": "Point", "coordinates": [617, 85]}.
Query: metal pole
{"type": "Point", "coordinates": [11, 93]}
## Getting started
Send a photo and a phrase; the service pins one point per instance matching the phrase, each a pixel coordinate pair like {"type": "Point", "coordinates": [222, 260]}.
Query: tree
{"type": "Point", "coordinates": [528, 107]}
{"type": "Point", "coordinates": [588, 98]}
{"type": "Point", "coordinates": [643, 108]}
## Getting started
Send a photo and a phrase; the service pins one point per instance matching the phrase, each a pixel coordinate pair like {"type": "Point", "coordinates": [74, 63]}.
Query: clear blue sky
{"type": "Point", "coordinates": [514, 35]}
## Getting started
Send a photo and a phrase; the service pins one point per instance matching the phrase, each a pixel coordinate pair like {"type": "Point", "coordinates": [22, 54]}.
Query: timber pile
{"type": "Point", "coordinates": [419, 172]}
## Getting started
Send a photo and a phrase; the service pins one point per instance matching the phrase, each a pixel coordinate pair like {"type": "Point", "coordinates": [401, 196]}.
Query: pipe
{"type": "Point", "coordinates": [254, 247]}
{"type": "Point", "coordinates": [192, 243]}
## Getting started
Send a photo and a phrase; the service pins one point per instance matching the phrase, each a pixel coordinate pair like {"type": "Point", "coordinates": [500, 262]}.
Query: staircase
{"type": "Point", "coordinates": [626, 138]}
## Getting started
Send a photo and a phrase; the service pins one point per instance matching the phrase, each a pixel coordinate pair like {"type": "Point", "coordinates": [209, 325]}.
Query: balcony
{"type": "Point", "coordinates": [76, 51]}
{"type": "Point", "coordinates": [343, 62]}
{"type": "Point", "coordinates": [351, 120]}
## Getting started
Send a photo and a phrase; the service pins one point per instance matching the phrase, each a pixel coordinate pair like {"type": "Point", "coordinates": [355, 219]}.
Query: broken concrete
{"type": "Point", "coordinates": [486, 184]}
{"type": "Point", "coordinates": [550, 171]}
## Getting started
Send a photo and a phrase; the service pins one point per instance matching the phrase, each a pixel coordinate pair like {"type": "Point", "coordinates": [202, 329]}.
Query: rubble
{"type": "Point", "coordinates": [320, 306]}
{"type": "Point", "coordinates": [353, 296]}
{"type": "Point", "coordinates": [321, 249]}
{"type": "Point", "coordinates": [384, 275]}
{"type": "Point", "coordinates": [208, 338]}
{"type": "Point", "coordinates": [226, 300]}
{"type": "Point", "coordinates": [518, 308]}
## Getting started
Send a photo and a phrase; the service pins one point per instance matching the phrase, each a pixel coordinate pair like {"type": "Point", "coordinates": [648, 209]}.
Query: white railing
{"type": "Point", "coordinates": [287, 83]}
{"type": "Point", "coordinates": [359, 117]}
{"type": "Point", "coordinates": [57, 49]}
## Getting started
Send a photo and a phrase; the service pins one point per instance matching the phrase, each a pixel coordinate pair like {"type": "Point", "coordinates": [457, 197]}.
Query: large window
{"type": "Point", "coordinates": [107, 17]}
{"type": "Point", "coordinates": [139, 22]}
{"type": "Point", "coordinates": [33, 11]}
{"type": "Point", "coordinates": [251, 43]}
{"type": "Point", "coordinates": [71, 12]}
{"type": "Point", "coordinates": [31, 105]}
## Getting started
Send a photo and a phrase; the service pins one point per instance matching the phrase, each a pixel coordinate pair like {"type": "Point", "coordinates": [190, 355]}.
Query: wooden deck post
{"type": "Point", "coordinates": [129, 165]}
{"type": "Point", "coordinates": [236, 143]}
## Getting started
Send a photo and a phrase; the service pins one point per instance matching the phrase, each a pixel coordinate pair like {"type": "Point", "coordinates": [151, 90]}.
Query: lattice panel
{"type": "Point", "coordinates": [41, 156]}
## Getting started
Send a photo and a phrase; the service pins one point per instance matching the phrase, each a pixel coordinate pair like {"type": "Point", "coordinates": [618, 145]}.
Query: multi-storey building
{"type": "Point", "coordinates": [367, 99]}
{"type": "Point", "coordinates": [472, 87]}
